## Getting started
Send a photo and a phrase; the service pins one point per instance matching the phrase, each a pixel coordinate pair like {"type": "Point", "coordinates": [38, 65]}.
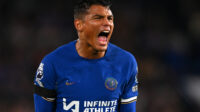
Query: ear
{"type": "Point", "coordinates": [78, 25]}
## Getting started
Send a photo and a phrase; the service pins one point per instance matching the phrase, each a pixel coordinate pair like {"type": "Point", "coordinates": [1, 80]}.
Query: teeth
{"type": "Point", "coordinates": [106, 31]}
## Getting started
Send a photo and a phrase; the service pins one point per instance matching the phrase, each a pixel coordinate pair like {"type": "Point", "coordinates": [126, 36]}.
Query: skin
{"type": "Point", "coordinates": [98, 19]}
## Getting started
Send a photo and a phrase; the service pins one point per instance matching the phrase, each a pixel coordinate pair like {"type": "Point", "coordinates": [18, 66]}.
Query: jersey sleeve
{"type": "Point", "coordinates": [130, 93]}
{"type": "Point", "coordinates": [45, 87]}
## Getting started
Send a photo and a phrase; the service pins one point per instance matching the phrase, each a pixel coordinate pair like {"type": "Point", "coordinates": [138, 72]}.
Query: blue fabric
{"type": "Point", "coordinates": [87, 85]}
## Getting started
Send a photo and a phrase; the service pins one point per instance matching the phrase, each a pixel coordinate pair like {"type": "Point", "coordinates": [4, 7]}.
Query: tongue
{"type": "Point", "coordinates": [102, 40]}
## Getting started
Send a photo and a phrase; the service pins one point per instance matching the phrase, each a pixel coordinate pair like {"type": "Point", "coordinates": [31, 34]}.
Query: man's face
{"type": "Point", "coordinates": [97, 27]}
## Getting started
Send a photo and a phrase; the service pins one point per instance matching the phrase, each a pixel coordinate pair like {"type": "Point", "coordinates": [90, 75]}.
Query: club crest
{"type": "Point", "coordinates": [111, 83]}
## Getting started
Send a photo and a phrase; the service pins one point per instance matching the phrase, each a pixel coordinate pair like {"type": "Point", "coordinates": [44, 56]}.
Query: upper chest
{"type": "Point", "coordinates": [90, 79]}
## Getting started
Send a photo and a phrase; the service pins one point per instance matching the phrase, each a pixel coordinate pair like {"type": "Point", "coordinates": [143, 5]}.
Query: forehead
{"type": "Point", "coordinates": [99, 10]}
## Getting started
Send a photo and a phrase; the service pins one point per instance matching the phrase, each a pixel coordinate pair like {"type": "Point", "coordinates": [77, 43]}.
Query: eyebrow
{"type": "Point", "coordinates": [98, 15]}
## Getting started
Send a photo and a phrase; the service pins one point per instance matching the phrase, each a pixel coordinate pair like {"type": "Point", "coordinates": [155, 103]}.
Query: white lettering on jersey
{"type": "Point", "coordinates": [100, 106]}
{"type": "Point", "coordinates": [70, 105]}
{"type": "Point", "coordinates": [135, 88]}
{"type": "Point", "coordinates": [91, 106]}
{"type": "Point", "coordinates": [136, 76]}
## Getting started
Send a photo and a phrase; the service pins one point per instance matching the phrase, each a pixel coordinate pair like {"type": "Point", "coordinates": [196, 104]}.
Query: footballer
{"type": "Point", "coordinates": [89, 74]}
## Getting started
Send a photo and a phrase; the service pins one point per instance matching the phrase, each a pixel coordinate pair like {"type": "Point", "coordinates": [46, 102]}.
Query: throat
{"type": "Point", "coordinates": [98, 54]}
{"type": "Point", "coordinates": [88, 52]}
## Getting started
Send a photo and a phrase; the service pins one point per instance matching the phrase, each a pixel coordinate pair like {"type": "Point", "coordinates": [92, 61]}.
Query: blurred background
{"type": "Point", "coordinates": [164, 36]}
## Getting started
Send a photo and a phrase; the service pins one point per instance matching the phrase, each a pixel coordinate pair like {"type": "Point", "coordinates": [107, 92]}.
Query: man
{"type": "Point", "coordinates": [89, 74]}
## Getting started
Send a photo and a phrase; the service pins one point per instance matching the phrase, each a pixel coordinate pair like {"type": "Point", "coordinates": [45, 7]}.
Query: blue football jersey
{"type": "Point", "coordinates": [67, 82]}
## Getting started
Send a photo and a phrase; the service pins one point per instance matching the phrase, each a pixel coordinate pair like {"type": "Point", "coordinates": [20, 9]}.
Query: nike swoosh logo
{"type": "Point", "coordinates": [69, 83]}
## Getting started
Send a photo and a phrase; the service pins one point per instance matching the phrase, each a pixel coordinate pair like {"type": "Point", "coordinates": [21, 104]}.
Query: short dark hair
{"type": "Point", "coordinates": [82, 6]}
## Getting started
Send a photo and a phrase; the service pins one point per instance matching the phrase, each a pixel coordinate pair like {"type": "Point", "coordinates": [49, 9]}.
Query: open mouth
{"type": "Point", "coordinates": [104, 33]}
{"type": "Point", "coordinates": [102, 37]}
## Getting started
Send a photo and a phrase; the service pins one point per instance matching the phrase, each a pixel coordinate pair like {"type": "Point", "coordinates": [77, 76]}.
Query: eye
{"type": "Point", "coordinates": [98, 17]}
{"type": "Point", "coordinates": [110, 18]}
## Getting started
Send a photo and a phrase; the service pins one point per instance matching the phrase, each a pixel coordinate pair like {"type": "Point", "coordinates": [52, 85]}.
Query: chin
{"type": "Point", "coordinates": [102, 48]}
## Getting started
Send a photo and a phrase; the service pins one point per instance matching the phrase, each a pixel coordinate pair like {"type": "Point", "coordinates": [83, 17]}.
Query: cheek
{"type": "Point", "coordinates": [93, 24]}
{"type": "Point", "coordinates": [91, 29]}
{"type": "Point", "coordinates": [112, 25]}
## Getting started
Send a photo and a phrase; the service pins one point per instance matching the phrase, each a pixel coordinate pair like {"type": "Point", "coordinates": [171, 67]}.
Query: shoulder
{"type": "Point", "coordinates": [124, 59]}
{"type": "Point", "coordinates": [62, 51]}
{"type": "Point", "coordinates": [118, 52]}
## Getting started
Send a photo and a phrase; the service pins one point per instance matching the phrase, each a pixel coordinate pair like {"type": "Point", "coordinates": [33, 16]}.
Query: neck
{"type": "Point", "coordinates": [87, 51]}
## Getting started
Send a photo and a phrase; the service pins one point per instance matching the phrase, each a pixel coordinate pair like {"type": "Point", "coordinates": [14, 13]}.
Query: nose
{"type": "Point", "coordinates": [107, 22]}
